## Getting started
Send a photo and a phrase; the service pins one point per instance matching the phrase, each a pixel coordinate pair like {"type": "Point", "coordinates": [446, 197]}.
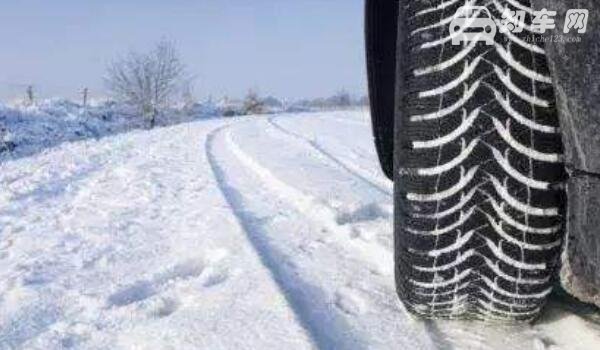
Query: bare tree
{"type": "Point", "coordinates": [253, 104]}
{"type": "Point", "coordinates": [147, 81]}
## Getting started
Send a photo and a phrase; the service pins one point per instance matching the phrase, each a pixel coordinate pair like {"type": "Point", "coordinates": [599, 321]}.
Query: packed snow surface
{"type": "Point", "coordinates": [243, 233]}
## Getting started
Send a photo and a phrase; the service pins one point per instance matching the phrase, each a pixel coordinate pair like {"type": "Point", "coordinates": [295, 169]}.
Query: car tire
{"type": "Point", "coordinates": [478, 170]}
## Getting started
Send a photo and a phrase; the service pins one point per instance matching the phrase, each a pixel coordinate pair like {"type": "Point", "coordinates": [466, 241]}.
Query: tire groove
{"type": "Point", "coordinates": [329, 156]}
{"type": "Point", "coordinates": [326, 332]}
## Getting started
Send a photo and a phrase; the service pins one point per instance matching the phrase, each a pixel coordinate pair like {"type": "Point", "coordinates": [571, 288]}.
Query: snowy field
{"type": "Point", "coordinates": [243, 233]}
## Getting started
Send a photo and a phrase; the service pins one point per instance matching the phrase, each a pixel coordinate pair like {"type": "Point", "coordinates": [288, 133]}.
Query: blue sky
{"type": "Point", "coordinates": [289, 48]}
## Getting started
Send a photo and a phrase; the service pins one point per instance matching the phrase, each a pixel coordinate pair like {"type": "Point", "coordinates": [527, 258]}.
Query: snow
{"type": "Point", "coordinates": [269, 232]}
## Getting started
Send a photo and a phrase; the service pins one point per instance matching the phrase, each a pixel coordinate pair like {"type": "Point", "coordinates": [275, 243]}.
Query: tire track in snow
{"type": "Point", "coordinates": [315, 210]}
{"type": "Point", "coordinates": [327, 331]}
{"type": "Point", "coordinates": [349, 251]}
{"type": "Point", "coordinates": [350, 169]}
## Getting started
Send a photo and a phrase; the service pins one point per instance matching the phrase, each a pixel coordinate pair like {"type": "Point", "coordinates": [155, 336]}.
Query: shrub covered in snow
{"type": "Point", "coordinates": [27, 129]}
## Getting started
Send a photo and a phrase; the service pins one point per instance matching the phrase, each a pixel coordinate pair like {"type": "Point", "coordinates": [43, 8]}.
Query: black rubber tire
{"type": "Point", "coordinates": [381, 20]}
{"type": "Point", "coordinates": [478, 169]}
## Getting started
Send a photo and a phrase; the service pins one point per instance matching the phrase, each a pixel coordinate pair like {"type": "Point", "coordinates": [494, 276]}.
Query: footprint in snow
{"type": "Point", "coordinates": [368, 212]}
{"type": "Point", "coordinates": [137, 292]}
{"type": "Point", "coordinates": [544, 344]}
{"type": "Point", "coordinates": [211, 271]}
{"type": "Point", "coordinates": [217, 270]}
{"type": "Point", "coordinates": [163, 307]}
{"type": "Point", "coordinates": [350, 301]}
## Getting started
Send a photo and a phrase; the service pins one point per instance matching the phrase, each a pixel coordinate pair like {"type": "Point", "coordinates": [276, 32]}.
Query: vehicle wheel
{"type": "Point", "coordinates": [478, 154]}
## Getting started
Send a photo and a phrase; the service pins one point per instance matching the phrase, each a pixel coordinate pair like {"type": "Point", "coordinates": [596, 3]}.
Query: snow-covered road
{"type": "Point", "coordinates": [247, 233]}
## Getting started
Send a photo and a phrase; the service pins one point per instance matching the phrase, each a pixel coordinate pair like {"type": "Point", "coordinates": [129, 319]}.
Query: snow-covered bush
{"type": "Point", "coordinates": [6, 143]}
{"type": "Point", "coordinates": [27, 129]}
